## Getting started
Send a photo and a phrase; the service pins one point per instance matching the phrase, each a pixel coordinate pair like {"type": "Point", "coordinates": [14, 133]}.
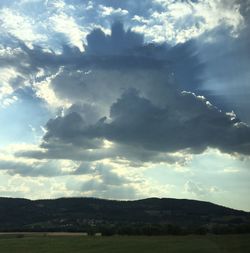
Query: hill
{"type": "Point", "coordinates": [90, 214]}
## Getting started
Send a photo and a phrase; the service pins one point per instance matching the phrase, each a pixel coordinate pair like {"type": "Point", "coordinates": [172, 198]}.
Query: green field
{"type": "Point", "coordinates": [122, 244]}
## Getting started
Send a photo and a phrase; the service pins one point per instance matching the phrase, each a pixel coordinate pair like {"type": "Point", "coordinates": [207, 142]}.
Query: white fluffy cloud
{"type": "Point", "coordinates": [178, 21]}
{"type": "Point", "coordinates": [20, 26]}
{"type": "Point", "coordinates": [67, 26]}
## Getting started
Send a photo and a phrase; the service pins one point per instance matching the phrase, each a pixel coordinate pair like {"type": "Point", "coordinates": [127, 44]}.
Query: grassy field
{"type": "Point", "coordinates": [125, 244]}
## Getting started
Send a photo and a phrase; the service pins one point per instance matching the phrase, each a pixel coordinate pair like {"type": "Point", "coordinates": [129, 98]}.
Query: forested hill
{"type": "Point", "coordinates": [82, 214]}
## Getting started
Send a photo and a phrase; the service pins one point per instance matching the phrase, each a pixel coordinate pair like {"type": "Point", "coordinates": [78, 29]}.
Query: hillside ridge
{"type": "Point", "coordinates": [84, 214]}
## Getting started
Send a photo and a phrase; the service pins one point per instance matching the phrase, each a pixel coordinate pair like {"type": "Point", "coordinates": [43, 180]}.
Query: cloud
{"type": "Point", "coordinates": [149, 131]}
{"type": "Point", "coordinates": [230, 170]}
{"type": "Point", "coordinates": [67, 26]}
{"type": "Point", "coordinates": [198, 189]}
{"type": "Point", "coordinates": [30, 169]}
{"type": "Point", "coordinates": [112, 181]}
{"type": "Point", "coordinates": [23, 167]}
{"type": "Point", "coordinates": [103, 182]}
{"type": "Point", "coordinates": [178, 21]}
{"type": "Point", "coordinates": [124, 91]}
{"type": "Point", "coordinates": [7, 76]}
{"type": "Point", "coordinates": [192, 120]}
{"type": "Point", "coordinates": [109, 11]}
{"type": "Point", "coordinates": [160, 21]}
{"type": "Point", "coordinates": [122, 56]}
{"type": "Point", "coordinates": [20, 26]}
{"type": "Point", "coordinates": [119, 42]}
{"type": "Point", "coordinates": [42, 178]}
{"type": "Point", "coordinates": [103, 172]}
{"type": "Point", "coordinates": [70, 129]}
{"type": "Point", "coordinates": [119, 73]}
{"type": "Point", "coordinates": [99, 189]}
{"type": "Point", "coordinates": [226, 75]}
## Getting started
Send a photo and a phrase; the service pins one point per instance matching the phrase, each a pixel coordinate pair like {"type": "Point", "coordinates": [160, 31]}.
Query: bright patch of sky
{"type": "Point", "coordinates": [22, 121]}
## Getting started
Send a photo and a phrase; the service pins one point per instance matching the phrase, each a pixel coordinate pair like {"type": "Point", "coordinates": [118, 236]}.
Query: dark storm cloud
{"type": "Point", "coordinates": [70, 129]}
{"type": "Point", "coordinates": [119, 42]}
{"type": "Point", "coordinates": [190, 123]}
{"type": "Point", "coordinates": [111, 64]}
{"type": "Point", "coordinates": [129, 93]}
{"type": "Point", "coordinates": [123, 53]}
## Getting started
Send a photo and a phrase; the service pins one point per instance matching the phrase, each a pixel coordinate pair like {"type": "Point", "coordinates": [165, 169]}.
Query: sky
{"type": "Point", "coordinates": [125, 99]}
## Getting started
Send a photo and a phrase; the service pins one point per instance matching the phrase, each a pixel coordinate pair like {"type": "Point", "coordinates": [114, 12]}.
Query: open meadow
{"type": "Point", "coordinates": [42, 243]}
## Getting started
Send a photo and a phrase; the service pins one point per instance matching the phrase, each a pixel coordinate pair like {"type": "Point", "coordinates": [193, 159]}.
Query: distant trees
{"type": "Point", "coordinates": [127, 228]}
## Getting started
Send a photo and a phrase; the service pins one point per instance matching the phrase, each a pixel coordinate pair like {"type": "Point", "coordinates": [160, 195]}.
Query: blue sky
{"type": "Point", "coordinates": [125, 99]}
